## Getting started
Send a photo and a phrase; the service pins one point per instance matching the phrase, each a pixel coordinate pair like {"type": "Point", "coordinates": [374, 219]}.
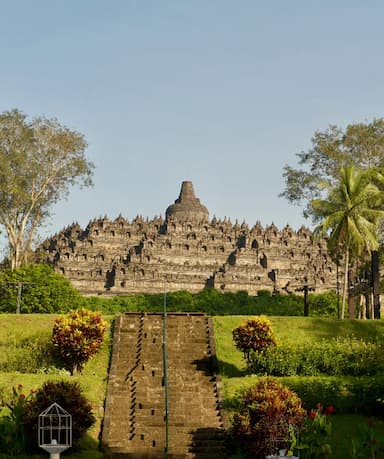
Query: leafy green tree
{"type": "Point", "coordinates": [349, 215]}
{"type": "Point", "coordinates": [41, 289]}
{"type": "Point", "coordinates": [360, 145]}
{"type": "Point", "coordinates": [40, 160]}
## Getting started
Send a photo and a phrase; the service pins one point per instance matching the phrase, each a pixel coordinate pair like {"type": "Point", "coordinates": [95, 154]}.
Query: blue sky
{"type": "Point", "coordinates": [223, 93]}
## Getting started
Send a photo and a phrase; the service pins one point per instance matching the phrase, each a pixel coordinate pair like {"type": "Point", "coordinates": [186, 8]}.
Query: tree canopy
{"type": "Point", "coordinates": [360, 145]}
{"type": "Point", "coordinates": [349, 216]}
{"type": "Point", "coordinates": [39, 161]}
{"type": "Point", "coordinates": [41, 290]}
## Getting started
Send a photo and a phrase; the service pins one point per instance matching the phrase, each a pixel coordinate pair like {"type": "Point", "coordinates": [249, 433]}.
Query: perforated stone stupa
{"type": "Point", "coordinates": [187, 251]}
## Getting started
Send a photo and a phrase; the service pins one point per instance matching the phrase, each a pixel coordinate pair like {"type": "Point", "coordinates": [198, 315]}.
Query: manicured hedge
{"type": "Point", "coordinates": [347, 394]}
{"type": "Point", "coordinates": [49, 292]}
{"type": "Point", "coordinates": [215, 302]}
{"type": "Point", "coordinates": [341, 356]}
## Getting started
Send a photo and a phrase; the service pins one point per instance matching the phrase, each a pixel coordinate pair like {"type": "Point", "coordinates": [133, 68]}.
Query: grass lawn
{"type": "Point", "coordinates": [22, 344]}
{"type": "Point", "coordinates": [16, 331]}
{"type": "Point", "coordinates": [298, 330]}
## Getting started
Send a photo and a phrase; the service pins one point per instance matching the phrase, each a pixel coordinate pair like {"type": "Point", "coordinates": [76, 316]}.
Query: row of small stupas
{"type": "Point", "coordinates": [187, 251]}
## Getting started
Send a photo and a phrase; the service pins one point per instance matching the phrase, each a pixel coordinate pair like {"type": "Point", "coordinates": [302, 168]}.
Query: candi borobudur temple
{"type": "Point", "coordinates": [187, 251]}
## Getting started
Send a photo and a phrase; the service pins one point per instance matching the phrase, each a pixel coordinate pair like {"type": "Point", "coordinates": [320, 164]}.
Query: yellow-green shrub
{"type": "Point", "coordinates": [77, 337]}
{"type": "Point", "coordinates": [254, 335]}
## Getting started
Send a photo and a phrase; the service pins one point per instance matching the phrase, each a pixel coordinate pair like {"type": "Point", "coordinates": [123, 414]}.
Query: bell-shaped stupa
{"type": "Point", "coordinates": [187, 207]}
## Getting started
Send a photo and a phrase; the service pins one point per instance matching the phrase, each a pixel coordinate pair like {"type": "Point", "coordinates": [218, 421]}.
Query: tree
{"type": "Point", "coordinates": [37, 289]}
{"type": "Point", "coordinates": [360, 145]}
{"type": "Point", "coordinates": [40, 160]}
{"type": "Point", "coordinates": [350, 216]}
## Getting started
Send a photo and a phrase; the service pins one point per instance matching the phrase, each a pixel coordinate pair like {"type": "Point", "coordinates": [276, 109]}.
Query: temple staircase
{"type": "Point", "coordinates": [135, 417]}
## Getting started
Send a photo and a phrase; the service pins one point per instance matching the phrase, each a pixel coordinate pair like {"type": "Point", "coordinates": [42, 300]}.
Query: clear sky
{"type": "Point", "coordinates": [222, 93]}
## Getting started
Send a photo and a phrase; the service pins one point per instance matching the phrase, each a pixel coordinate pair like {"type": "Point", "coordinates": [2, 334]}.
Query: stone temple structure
{"type": "Point", "coordinates": [187, 251]}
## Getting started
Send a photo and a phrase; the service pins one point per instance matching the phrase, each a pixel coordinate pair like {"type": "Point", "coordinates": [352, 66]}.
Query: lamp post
{"type": "Point", "coordinates": [306, 289]}
{"type": "Point", "coordinates": [165, 370]}
{"type": "Point", "coordinates": [55, 430]}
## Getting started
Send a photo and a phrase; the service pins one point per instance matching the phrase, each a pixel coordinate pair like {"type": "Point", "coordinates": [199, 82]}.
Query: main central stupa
{"type": "Point", "coordinates": [187, 207]}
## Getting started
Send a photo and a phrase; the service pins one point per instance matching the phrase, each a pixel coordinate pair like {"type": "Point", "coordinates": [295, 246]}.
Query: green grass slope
{"type": "Point", "coordinates": [300, 330]}
{"type": "Point", "coordinates": [24, 359]}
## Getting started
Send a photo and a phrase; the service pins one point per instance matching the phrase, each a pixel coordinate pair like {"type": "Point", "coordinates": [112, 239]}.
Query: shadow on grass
{"type": "Point", "coordinates": [229, 370]}
{"type": "Point", "coordinates": [88, 447]}
{"type": "Point", "coordinates": [361, 329]}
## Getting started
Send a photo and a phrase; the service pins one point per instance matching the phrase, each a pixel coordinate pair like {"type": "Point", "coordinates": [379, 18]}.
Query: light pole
{"type": "Point", "coordinates": [165, 367]}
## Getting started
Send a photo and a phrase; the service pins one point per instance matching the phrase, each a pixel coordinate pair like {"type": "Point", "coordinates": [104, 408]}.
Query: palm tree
{"type": "Point", "coordinates": [349, 217]}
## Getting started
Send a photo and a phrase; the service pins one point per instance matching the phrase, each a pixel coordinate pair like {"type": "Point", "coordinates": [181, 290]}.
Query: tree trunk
{"type": "Point", "coordinates": [345, 287]}
{"type": "Point", "coordinates": [368, 305]}
{"type": "Point", "coordinates": [351, 306]}
{"type": "Point", "coordinates": [376, 284]}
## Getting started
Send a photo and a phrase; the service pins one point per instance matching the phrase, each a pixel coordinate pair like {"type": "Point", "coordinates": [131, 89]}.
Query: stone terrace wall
{"type": "Point", "coordinates": [125, 257]}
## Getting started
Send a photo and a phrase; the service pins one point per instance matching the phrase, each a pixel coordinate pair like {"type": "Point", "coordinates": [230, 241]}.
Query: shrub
{"type": "Point", "coordinates": [77, 337]}
{"type": "Point", "coordinates": [266, 410]}
{"type": "Point", "coordinates": [12, 439]}
{"type": "Point", "coordinates": [341, 356]}
{"type": "Point", "coordinates": [255, 335]}
{"type": "Point", "coordinates": [264, 293]}
{"type": "Point", "coordinates": [347, 395]}
{"type": "Point", "coordinates": [69, 396]}
{"type": "Point", "coordinates": [44, 290]}
{"type": "Point", "coordinates": [368, 442]}
{"type": "Point", "coordinates": [209, 300]}
{"type": "Point", "coordinates": [28, 355]}
{"type": "Point", "coordinates": [323, 304]}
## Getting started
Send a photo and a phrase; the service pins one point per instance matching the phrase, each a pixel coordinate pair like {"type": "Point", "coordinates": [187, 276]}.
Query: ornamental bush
{"type": "Point", "coordinates": [254, 335]}
{"type": "Point", "coordinates": [77, 337]}
{"type": "Point", "coordinates": [265, 413]}
{"type": "Point", "coordinates": [70, 397]}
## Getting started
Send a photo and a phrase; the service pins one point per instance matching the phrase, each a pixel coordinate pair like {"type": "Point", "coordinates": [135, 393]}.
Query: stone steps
{"type": "Point", "coordinates": [134, 424]}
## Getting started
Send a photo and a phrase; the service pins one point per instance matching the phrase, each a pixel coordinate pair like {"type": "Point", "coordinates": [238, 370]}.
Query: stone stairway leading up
{"type": "Point", "coordinates": [134, 422]}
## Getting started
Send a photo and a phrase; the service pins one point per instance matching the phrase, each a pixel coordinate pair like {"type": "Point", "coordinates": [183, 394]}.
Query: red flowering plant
{"type": "Point", "coordinates": [314, 436]}
{"type": "Point", "coordinates": [12, 437]}
{"type": "Point", "coordinates": [369, 442]}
